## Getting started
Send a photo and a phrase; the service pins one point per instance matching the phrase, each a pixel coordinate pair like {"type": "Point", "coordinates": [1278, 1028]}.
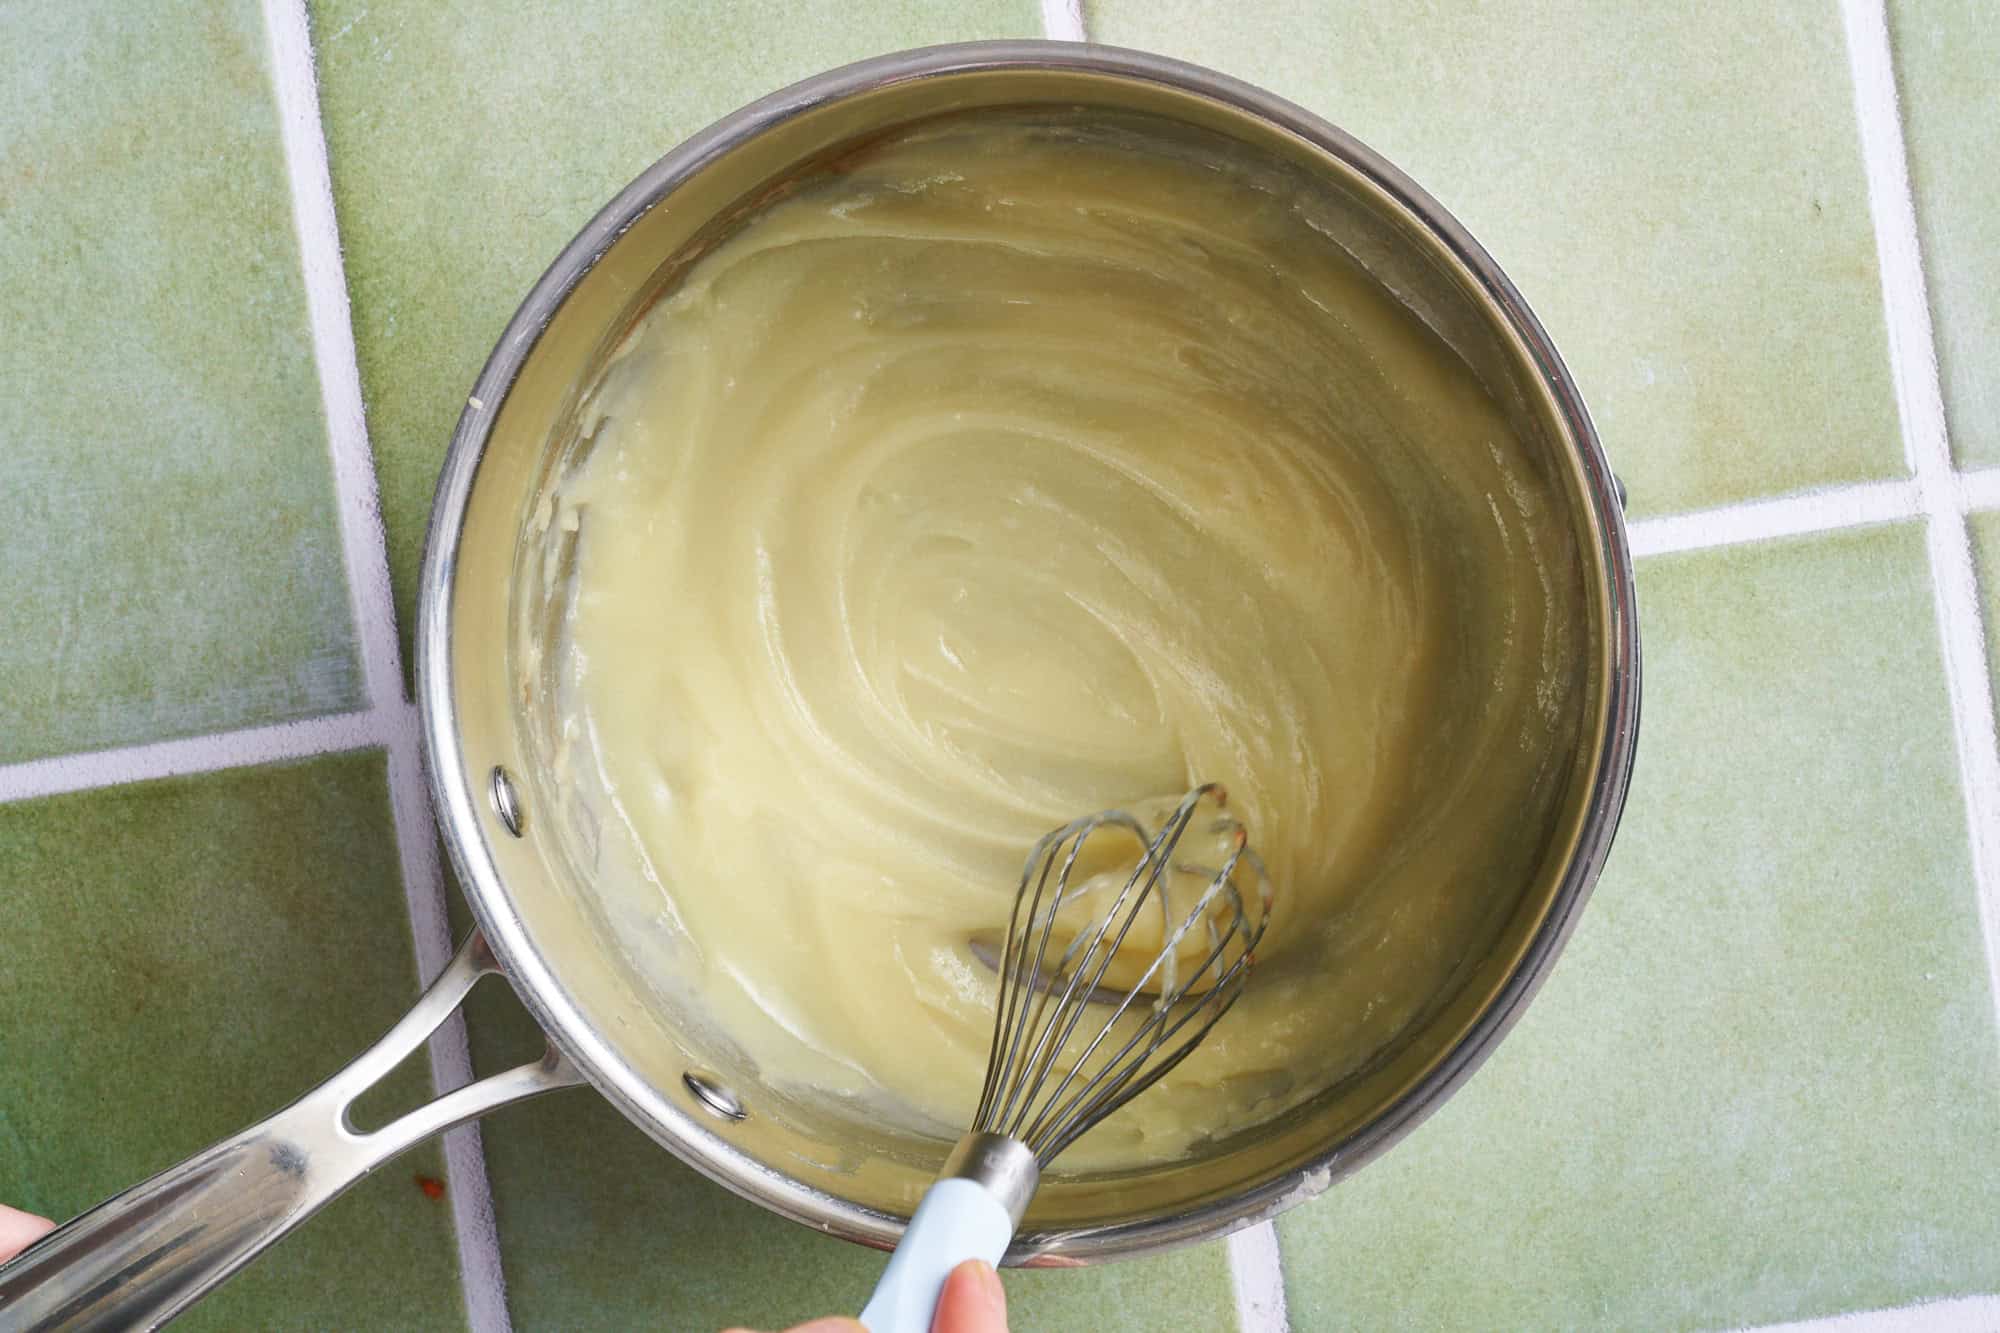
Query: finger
{"type": "Point", "coordinates": [972, 1301]}
{"type": "Point", "coordinates": [19, 1230]}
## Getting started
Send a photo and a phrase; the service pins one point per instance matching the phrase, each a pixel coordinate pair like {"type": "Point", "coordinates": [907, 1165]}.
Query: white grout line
{"type": "Point", "coordinates": [363, 543]}
{"type": "Point", "coordinates": [327, 315]}
{"type": "Point", "coordinates": [196, 754]}
{"type": "Point", "coordinates": [1786, 516]}
{"type": "Point", "coordinates": [1256, 1273]}
{"type": "Point", "coordinates": [1920, 404]}
{"type": "Point", "coordinates": [1950, 1316]}
{"type": "Point", "coordinates": [1981, 489]}
{"type": "Point", "coordinates": [483, 1277]}
{"type": "Point", "coordinates": [1905, 308]}
{"type": "Point", "coordinates": [1062, 20]}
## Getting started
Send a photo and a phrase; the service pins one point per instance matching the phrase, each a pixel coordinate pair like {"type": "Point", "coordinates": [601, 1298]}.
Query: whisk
{"type": "Point", "coordinates": [1075, 1039]}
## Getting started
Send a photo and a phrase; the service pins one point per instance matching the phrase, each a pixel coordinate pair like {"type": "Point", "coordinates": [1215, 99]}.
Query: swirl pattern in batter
{"type": "Point", "coordinates": [1021, 468]}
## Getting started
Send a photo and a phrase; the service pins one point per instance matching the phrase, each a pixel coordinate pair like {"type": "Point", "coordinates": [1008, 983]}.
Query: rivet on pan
{"type": "Point", "coordinates": [1617, 484]}
{"type": "Point", "coordinates": [506, 804]}
{"type": "Point", "coordinates": [713, 1096]}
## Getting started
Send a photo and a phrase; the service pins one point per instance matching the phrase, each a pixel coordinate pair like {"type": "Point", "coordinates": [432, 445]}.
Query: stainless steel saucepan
{"type": "Point", "coordinates": [524, 846]}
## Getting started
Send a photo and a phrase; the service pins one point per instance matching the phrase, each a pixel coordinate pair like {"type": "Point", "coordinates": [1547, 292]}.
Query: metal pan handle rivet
{"type": "Point", "coordinates": [713, 1096]}
{"type": "Point", "coordinates": [506, 802]}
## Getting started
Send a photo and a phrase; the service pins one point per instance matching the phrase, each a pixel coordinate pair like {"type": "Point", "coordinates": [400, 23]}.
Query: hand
{"type": "Point", "coordinates": [972, 1303]}
{"type": "Point", "coordinates": [19, 1230]}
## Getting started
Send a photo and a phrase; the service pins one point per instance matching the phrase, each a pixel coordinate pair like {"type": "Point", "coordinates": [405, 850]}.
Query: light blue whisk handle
{"type": "Point", "coordinates": [957, 1220]}
{"type": "Point", "coordinates": [969, 1212]}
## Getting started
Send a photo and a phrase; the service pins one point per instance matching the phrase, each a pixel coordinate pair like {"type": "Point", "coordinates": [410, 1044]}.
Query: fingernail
{"type": "Point", "coordinates": [990, 1289]}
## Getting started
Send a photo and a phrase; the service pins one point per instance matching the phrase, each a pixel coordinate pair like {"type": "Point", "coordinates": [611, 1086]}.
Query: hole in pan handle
{"type": "Point", "coordinates": [141, 1257]}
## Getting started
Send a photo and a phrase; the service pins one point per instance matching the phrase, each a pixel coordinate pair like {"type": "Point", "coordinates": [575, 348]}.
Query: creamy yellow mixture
{"type": "Point", "coordinates": [1020, 469]}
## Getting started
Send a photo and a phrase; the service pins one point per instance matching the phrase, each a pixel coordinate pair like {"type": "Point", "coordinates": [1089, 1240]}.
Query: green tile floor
{"type": "Point", "coordinates": [1762, 1085]}
{"type": "Point", "coordinates": [169, 541]}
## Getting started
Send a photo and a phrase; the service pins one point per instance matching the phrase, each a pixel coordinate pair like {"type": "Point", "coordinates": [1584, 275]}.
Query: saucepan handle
{"type": "Point", "coordinates": [142, 1257]}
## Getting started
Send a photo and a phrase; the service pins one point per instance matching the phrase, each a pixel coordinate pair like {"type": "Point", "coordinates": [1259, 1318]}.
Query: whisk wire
{"type": "Point", "coordinates": [1035, 1091]}
{"type": "Point", "coordinates": [1154, 1030]}
{"type": "Point", "coordinates": [1000, 1061]}
{"type": "Point", "coordinates": [984, 1189]}
{"type": "Point", "coordinates": [1113, 1097]}
{"type": "Point", "coordinates": [1054, 1037]}
{"type": "Point", "coordinates": [1015, 991]}
{"type": "Point", "coordinates": [1164, 957]}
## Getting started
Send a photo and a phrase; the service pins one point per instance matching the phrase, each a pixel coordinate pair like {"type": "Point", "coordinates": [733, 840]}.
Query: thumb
{"type": "Point", "coordinates": [18, 1230]}
{"type": "Point", "coordinates": [972, 1301]}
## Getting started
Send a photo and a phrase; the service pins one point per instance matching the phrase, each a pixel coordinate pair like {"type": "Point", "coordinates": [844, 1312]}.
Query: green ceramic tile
{"type": "Point", "coordinates": [1946, 52]}
{"type": "Point", "coordinates": [470, 142]}
{"type": "Point", "coordinates": [1181, 1291]}
{"type": "Point", "coordinates": [1678, 191]}
{"type": "Point", "coordinates": [1986, 556]}
{"type": "Point", "coordinates": [169, 552]}
{"type": "Point", "coordinates": [602, 1228]}
{"type": "Point", "coordinates": [181, 958]}
{"type": "Point", "coordinates": [1761, 1083]}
